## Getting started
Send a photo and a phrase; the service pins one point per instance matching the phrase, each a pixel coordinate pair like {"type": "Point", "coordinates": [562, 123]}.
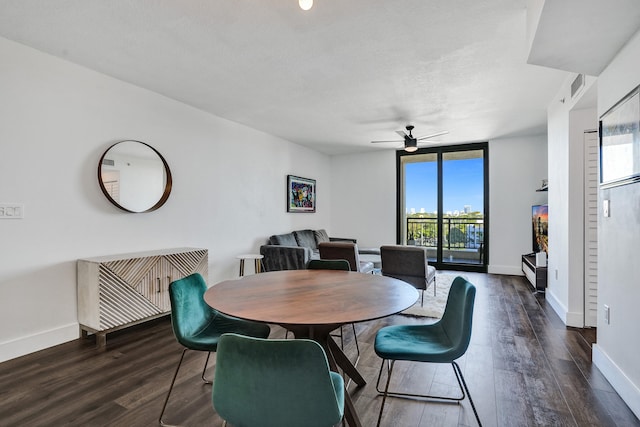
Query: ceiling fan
{"type": "Point", "coordinates": [410, 142]}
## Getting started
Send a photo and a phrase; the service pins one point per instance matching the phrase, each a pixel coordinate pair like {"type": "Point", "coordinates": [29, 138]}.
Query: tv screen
{"type": "Point", "coordinates": [540, 228]}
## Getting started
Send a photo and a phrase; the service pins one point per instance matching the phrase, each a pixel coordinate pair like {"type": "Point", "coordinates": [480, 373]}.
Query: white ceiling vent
{"type": "Point", "coordinates": [577, 84]}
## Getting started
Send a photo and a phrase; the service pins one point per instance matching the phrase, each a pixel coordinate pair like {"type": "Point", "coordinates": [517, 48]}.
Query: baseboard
{"type": "Point", "coordinates": [36, 342]}
{"type": "Point", "coordinates": [575, 320]}
{"type": "Point", "coordinates": [557, 306]}
{"type": "Point", "coordinates": [509, 270]}
{"type": "Point", "coordinates": [627, 390]}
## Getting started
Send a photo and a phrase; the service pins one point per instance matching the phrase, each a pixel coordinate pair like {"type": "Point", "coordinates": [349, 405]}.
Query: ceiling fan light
{"type": "Point", "coordinates": [305, 4]}
{"type": "Point", "coordinates": [410, 144]}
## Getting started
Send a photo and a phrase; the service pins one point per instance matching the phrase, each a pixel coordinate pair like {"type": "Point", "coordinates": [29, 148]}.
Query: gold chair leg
{"type": "Point", "coordinates": [173, 381]}
{"type": "Point", "coordinates": [206, 362]}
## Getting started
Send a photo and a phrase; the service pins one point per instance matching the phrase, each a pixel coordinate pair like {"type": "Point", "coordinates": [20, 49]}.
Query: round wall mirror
{"type": "Point", "coordinates": [134, 176]}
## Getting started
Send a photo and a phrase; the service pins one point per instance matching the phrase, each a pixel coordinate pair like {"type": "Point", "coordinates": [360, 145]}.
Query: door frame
{"type": "Point", "coordinates": [439, 151]}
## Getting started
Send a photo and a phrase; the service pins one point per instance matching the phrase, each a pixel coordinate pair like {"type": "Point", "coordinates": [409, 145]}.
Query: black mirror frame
{"type": "Point", "coordinates": [167, 187]}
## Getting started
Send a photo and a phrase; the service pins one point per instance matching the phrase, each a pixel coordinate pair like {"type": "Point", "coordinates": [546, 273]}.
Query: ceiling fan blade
{"type": "Point", "coordinates": [401, 133]}
{"type": "Point", "coordinates": [395, 140]}
{"type": "Point", "coordinates": [433, 135]}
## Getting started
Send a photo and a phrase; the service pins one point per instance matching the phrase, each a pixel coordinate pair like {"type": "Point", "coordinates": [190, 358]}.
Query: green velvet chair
{"type": "Point", "coordinates": [441, 342]}
{"type": "Point", "coordinates": [329, 264]}
{"type": "Point", "coordinates": [275, 383]}
{"type": "Point", "coordinates": [336, 264]}
{"type": "Point", "coordinates": [197, 326]}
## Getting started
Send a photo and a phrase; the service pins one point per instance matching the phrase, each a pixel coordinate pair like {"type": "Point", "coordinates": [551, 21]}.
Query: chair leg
{"type": "Point", "coordinates": [386, 388]}
{"type": "Point", "coordinates": [206, 362]}
{"type": "Point", "coordinates": [459, 377]}
{"type": "Point", "coordinates": [173, 381]}
{"type": "Point", "coordinates": [355, 338]}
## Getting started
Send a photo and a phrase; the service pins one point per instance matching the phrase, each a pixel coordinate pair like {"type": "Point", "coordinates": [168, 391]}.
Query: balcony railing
{"type": "Point", "coordinates": [460, 236]}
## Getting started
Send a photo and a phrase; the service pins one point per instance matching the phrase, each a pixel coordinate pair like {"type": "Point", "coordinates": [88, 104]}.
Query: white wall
{"type": "Point", "coordinates": [568, 119]}
{"type": "Point", "coordinates": [517, 167]}
{"type": "Point", "coordinates": [616, 353]}
{"type": "Point", "coordinates": [57, 119]}
{"type": "Point", "coordinates": [557, 272]}
{"type": "Point", "coordinates": [363, 197]}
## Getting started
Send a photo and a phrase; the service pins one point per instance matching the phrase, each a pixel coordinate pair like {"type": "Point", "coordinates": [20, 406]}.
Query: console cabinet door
{"type": "Point", "coordinates": [117, 291]}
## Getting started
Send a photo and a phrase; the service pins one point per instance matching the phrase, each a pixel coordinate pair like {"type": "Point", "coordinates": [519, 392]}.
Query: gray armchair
{"type": "Point", "coordinates": [409, 264]}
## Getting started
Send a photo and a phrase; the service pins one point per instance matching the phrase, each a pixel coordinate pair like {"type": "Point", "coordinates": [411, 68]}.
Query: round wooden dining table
{"type": "Point", "coordinates": [311, 304]}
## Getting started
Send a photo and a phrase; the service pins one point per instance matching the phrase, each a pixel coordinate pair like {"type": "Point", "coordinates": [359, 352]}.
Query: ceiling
{"type": "Point", "coordinates": [332, 78]}
{"type": "Point", "coordinates": [582, 36]}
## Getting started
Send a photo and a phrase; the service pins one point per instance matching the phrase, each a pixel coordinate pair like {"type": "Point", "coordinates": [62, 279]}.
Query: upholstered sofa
{"type": "Point", "coordinates": [293, 251]}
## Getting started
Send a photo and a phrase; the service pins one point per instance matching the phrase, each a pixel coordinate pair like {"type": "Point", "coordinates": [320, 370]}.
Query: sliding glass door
{"type": "Point", "coordinates": [442, 204]}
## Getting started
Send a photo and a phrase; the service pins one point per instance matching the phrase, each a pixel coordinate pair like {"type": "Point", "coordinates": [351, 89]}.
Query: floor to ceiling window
{"type": "Point", "coordinates": [443, 204]}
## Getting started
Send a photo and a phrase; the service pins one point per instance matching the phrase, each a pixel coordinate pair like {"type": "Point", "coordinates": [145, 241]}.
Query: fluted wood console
{"type": "Point", "coordinates": [118, 291]}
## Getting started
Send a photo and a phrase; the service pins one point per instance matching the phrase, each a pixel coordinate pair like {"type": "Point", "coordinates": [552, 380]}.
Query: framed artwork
{"type": "Point", "coordinates": [301, 194]}
{"type": "Point", "coordinates": [620, 142]}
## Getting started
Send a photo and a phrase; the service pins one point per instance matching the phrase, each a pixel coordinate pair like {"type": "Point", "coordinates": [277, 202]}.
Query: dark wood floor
{"type": "Point", "coordinates": [523, 367]}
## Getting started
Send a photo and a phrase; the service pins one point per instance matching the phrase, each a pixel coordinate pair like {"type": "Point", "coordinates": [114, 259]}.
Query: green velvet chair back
{"type": "Point", "coordinates": [329, 264]}
{"type": "Point", "coordinates": [457, 319]}
{"type": "Point", "coordinates": [275, 383]}
{"type": "Point", "coordinates": [189, 311]}
{"type": "Point", "coordinates": [196, 325]}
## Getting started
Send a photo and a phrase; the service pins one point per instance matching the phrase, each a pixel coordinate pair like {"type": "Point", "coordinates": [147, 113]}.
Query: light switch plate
{"type": "Point", "coordinates": [605, 208]}
{"type": "Point", "coordinates": [11, 211]}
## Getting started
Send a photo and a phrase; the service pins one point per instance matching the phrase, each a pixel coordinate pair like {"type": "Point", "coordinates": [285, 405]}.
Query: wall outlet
{"type": "Point", "coordinates": [607, 314]}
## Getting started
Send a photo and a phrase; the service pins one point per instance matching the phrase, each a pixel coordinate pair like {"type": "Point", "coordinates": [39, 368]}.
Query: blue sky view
{"type": "Point", "coordinates": [463, 182]}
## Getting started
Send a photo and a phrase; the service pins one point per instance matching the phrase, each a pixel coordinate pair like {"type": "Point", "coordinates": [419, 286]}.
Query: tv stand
{"type": "Point", "coordinates": [537, 276]}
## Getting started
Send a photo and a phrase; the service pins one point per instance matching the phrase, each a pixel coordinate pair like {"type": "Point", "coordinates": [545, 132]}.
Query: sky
{"type": "Point", "coordinates": [462, 185]}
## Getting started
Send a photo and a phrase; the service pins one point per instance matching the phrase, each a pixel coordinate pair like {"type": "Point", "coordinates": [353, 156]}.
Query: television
{"type": "Point", "coordinates": [540, 228]}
